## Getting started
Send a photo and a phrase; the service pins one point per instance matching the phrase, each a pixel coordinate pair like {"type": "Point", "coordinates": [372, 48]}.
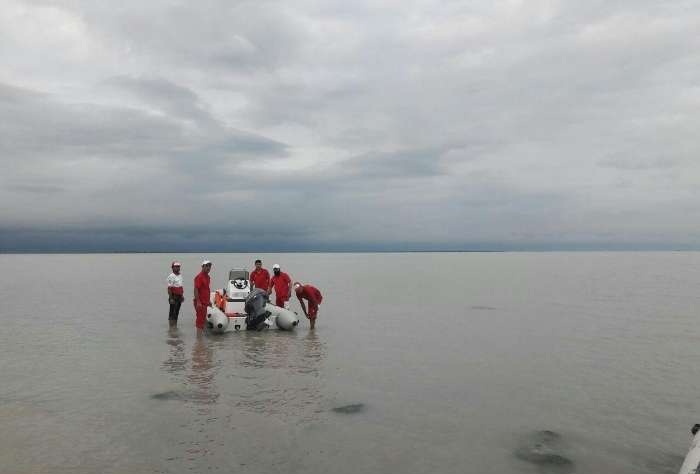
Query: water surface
{"type": "Point", "coordinates": [430, 362]}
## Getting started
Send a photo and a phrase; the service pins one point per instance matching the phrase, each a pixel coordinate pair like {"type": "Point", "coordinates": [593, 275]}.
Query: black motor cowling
{"type": "Point", "coordinates": [255, 310]}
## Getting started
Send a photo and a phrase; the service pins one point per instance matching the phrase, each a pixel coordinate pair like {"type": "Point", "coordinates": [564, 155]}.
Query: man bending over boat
{"type": "Point", "coordinates": [313, 296]}
{"type": "Point", "coordinates": [202, 295]}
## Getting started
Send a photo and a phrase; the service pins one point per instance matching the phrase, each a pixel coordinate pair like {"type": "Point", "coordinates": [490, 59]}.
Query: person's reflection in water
{"type": "Point", "coordinates": [314, 352]}
{"type": "Point", "coordinates": [311, 386]}
{"type": "Point", "coordinates": [202, 398]}
{"type": "Point", "coordinates": [278, 357]}
{"type": "Point", "coordinates": [254, 349]}
{"type": "Point", "coordinates": [175, 363]}
{"type": "Point", "coordinates": [201, 376]}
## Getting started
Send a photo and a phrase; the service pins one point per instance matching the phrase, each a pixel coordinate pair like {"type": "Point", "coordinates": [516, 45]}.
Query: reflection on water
{"type": "Point", "coordinates": [266, 350]}
{"type": "Point", "coordinates": [254, 352]}
{"type": "Point", "coordinates": [175, 363]}
{"type": "Point", "coordinates": [311, 394]}
{"type": "Point", "coordinates": [314, 351]}
{"type": "Point", "coordinates": [200, 394]}
{"type": "Point", "coordinates": [199, 380]}
{"type": "Point", "coordinates": [202, 373]}
{"type": "Point", "coordinates": [227, 382]}
{"type": "Point", "coordinates": [600, 347]}
{"type": "Point", "coordinates": [278, 373]}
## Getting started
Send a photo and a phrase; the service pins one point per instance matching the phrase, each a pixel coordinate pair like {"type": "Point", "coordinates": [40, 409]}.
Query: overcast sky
{"type": "Point", "coordinates": [265, 125]}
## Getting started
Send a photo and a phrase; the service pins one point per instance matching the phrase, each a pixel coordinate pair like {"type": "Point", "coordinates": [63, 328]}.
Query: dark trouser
{"type": "Point", "coordinates": [175, 303]}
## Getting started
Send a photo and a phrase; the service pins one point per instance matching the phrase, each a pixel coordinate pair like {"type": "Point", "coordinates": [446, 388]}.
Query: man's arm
{"type": "Point", "coordinates": [303, 306]}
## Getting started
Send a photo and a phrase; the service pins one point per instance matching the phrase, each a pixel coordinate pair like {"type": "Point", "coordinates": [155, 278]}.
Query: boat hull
{"type": "Point", "coordinates": [279, 318]}
{"type": "Point", "coordinates": [691, 465]}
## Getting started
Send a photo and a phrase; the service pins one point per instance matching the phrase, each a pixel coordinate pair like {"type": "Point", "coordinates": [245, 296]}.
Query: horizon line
{"type": "Point", "coordinates": [358, 251]}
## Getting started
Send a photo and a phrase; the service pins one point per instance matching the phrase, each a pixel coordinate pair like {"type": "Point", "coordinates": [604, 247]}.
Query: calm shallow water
{"type": "Point", "coordinates": [442, 362]}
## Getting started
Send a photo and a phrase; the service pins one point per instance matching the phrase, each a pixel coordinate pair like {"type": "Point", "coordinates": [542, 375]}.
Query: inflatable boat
{"type": "Point", "coordinates": [691, 465]}
{"type": "Point", "coordinates": [239, 307]}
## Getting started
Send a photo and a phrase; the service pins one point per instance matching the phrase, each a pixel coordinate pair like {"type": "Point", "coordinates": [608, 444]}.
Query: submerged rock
{"type": "Point", "coordinates": [350, 409]}
{"type": "Point", "coordinates": [545, 449]}
{"type": "Point", "coordinates": [168, 395]}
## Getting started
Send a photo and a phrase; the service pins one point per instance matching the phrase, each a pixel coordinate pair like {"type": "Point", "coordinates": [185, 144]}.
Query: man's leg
{"type": "Point", "coordinates": [200, 316]}
{"type": "Point", "coordinates": [172, 316]}
{"type": "Point", "coordinates": [313, 313]}
{"type": "Point", "coordinates": [175, 312]}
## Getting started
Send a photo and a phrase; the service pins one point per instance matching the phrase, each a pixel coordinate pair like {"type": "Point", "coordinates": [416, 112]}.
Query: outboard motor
{"type": "Point", "coordinates": [255, 309]}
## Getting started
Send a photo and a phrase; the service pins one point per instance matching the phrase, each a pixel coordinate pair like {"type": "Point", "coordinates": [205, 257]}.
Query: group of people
{"type": "Point", "coordinates": [280, 283]}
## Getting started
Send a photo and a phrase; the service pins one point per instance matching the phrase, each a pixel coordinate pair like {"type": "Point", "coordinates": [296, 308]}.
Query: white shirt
{"type": "Point", "coordinates": [175, 281]}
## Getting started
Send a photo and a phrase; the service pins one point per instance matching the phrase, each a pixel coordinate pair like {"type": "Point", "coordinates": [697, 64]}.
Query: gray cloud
{"type": "Point", "coordinates": [327, 123]}
{"type": "Point", "coordinates": [397, 164]}
{"type": "Point", "coordinates": [167, 97]}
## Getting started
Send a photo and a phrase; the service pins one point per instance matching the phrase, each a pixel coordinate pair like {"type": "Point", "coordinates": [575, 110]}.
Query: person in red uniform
{"type": "Point", "coordinates": [313, 296]}
{"type": "Point", "coordinates": [202, 296]}
{"type": "Point", "coordinates": [282, 284]}
{"type": "Point", "coordinates": [260, 277]}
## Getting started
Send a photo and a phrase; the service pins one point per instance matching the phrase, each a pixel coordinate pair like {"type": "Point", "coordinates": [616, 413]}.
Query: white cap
{"type": "Point", "coordinates": [276, 266]}
{"type": "Point", "coordinates": [206, 262]}
{"type": "Point", "coordinates": [175, 264]}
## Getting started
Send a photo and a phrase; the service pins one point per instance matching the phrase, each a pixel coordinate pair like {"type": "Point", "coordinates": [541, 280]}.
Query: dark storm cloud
{"type": "Point", "coordinates": [420, 122]}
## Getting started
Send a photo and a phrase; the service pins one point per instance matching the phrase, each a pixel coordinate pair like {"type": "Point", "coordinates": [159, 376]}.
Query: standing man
{"type": "Point", "coordinates": [202, 295]}
{"type": "Point", "coordinates": [260, 277]}
{"type": "Point", "coordinates": [175, 293]}
{"type": "Point", "coordinates": [313, 296]}
{"type": "Point", "coordinates": [282, 284]}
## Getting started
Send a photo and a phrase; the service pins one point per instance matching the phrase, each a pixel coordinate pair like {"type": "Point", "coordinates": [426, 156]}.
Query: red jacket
{"type": "Point", "coordinates": [260, 278]}
{"type": "Point", "coordinates": [201, 284]}
{"type": "Point", "coordinates": [281, 284]}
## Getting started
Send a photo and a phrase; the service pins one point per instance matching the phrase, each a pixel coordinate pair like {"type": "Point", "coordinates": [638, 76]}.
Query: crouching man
{"type": "Point", "coordinates": [313, 297]}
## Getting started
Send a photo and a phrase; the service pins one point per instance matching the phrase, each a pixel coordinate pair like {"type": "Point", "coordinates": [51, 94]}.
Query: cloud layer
{"type": "Point", "coordinates": [342, 125]}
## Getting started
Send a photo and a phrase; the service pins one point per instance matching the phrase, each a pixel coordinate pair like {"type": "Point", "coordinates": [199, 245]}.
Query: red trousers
{"type": "Point", "coordinates": [313, 310]}
{"type": "Point", "coordinates": [200, 313]}
{"type": "Point", "coordinates": [280, 301]}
